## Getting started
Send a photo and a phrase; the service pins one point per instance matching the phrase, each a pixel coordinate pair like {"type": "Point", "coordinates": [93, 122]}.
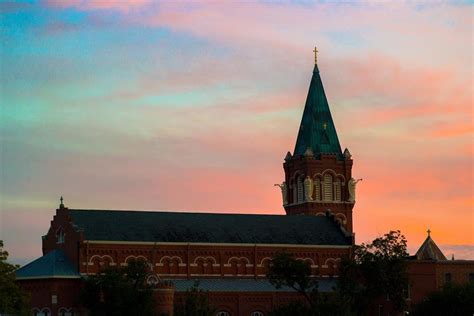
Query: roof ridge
{"type": "Point", "coordinates": [173, 212]}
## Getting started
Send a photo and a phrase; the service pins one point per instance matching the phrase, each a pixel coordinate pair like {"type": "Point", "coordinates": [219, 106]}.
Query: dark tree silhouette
{"type": "Point", "coordinates": [377, 271]}
{"type": "Point", "coordinates": [454, 300]}
{"type": "Point", "coordinates": [12, 299]}
{"type": "Point", "coordinates": [119, 292]}
{"type": "Point", "coordinates": [194, 303]}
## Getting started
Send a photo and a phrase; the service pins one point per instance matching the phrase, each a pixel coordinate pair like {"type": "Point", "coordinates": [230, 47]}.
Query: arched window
{"type": "Point", "coordinates": [222, 313]}
{"type": "Point", "coordinates": [327, 187]}
{"type": "Point", "coordinates": [317, 189]}
{"type": "Point", "coordinates": [257, 313]}
{"type": "Point", "coordinates": [294, 191]}
{"type": "Point", "coordinates": [44, 312]}
{"type": "Point", "coordinates": [300, 189]}
{"type": "Point", "coordinates": [337, 190]}
{"type": "Point", "coordinates": [60, 236]}
{"type": "Point", "coordinates": [65, 312]}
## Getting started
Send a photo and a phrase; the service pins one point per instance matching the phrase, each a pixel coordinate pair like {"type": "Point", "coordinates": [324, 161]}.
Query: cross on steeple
{"type": "Point", "coordinates": [315, 50]}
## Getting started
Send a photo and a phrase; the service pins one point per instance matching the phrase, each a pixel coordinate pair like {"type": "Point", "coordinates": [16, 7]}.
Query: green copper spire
{"type": "Point", "coordinates": [317, 131]}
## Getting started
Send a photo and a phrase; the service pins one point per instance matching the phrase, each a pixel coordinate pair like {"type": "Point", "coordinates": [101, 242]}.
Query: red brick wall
{"type": "Point", "coordinates": [428, 276]}
{"type": "Point", "coordinates": [201, 260]}
{"type": "Point", "coordinates": [308, 166]}
{"type": "Point", "coordinates": [63, 221]}
{"type": "Point", "coordinates": [244, 303]}
{"type": "Point", "coordinates": [41, 292]}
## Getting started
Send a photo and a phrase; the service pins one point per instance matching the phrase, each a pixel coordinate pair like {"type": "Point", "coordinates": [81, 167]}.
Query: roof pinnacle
{"type": "Point", "coordinates": [61, 205]}
{"type": "Point", "coordinates": [429, 232]}
{"type": "Point", "coordinates": [315, 50]}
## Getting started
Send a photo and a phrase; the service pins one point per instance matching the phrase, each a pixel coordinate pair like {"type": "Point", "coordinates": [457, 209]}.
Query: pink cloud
{"type": "Point", "coordinates": [124, 6]}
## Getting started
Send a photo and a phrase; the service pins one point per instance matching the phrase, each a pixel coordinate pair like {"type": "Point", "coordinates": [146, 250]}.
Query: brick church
{"type": "Point", "coordinates": [228, 253]}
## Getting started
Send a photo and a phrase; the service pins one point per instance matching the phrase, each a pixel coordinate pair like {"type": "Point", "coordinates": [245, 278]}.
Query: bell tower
{"type": "Point", "coordinates": [318, 175]}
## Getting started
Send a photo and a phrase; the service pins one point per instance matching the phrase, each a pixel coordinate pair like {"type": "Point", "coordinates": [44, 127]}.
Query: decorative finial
{"type": "Point", "coordinates": [315, 50]}
{"type": "Point", "coordinates": [429, 232]}
{"type": "Point", "coordinates": [61, 200]}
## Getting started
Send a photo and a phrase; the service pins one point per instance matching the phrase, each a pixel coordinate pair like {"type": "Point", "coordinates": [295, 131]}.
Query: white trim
{"type": "Point", "coordinates": [48, 277]}
{"type": "Point", "coordinates": [239, 259]}
{"type": "Point", "coordinates": [115, 242]}
{"type": "Point", "coordinates": [205, 258]}
{"type": "Point", "coordinates": [264, 259]}
{"type": "Point", "coordinates": [171, 259]}
{"type": "Point", "coordinates": [136, 258]}
{"type": "Point", "coordinates": [205, 274]}
{"type": "Point", "coordinates": [101, 259]}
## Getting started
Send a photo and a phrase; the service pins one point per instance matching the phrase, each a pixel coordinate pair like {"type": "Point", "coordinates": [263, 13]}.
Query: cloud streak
{"type": "Point", "coordinates": [124, 105]}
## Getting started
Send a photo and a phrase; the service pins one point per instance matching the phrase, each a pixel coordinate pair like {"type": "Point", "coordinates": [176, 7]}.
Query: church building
{"type": "Point", "coordinates": [228, 253]}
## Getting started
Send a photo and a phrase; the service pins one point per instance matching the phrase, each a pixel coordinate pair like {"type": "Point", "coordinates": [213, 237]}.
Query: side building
{"type": "Point", "coordinates": [228, 253]}
{"type": "Point", "coordinates": [429, 270]}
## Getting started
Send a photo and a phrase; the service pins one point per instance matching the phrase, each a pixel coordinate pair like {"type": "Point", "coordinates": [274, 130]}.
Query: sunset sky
{"type": "Point", "coordinates": [192, 107]}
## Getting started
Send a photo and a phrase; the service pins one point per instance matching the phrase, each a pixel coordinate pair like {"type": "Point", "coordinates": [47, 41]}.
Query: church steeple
{"type": "Point", "coordinates": [318, 176]}
{"type": "Point", "coordinates": [317, 131]}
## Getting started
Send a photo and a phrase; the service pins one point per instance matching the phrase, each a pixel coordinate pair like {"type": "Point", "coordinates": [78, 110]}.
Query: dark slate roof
{"type": "Point", "coordinates": [317, 130]}
{"type": "Point", "coordinates": [207, 227]}
{"type": "Point", "coordinates": [54, 264]}
{"type": "Point", "coordinates": [429, 251]}
{"type": "Point", "coordinates": [243, 285]}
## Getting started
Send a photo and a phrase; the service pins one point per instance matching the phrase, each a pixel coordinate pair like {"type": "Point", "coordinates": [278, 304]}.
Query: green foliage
{"type": "Point", "coordinates": [195, 303]}
{"type": "Point", "coordinates": [454, 300]}
{"type": "Point", "coordinates": [119, 292]}
{"type": "Point", "coordinates": [12, 299]}
{"type": "Point", "coordinates": [285, 270]}
{"type": "Point", "coordinates": [378, 270]}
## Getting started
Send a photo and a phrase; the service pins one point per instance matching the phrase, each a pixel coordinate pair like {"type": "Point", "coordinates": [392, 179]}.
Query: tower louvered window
{"type": "Point", "coordinates": [300, 190]}
{"type": "Point", "coordinates": [317, 189]}
{"type": "Point", "coordinates": [337, 191]}
{"type": "Point", "coordinates": [294, 190]}
{"type": "Point", "coordinates": [327, 188]}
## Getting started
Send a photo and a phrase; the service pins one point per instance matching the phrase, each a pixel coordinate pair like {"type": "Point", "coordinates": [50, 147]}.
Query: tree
{"type": "Point", "coordinates": [12, 299]}
{"type": "Point", "coordinates": [377, 271]}
{"type": "Point", "coordinates": [455, 300]}
{"type": "Point", "coordinates": [119, 291]}
{"type": "Point", "coordinates": [194, 303]}
{"type": "Point", "coordinates": [285, 270]}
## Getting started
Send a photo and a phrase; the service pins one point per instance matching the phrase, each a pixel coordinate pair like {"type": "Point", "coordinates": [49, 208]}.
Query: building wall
{"type": "Point", "coordinates": [206, 260]}
{"type": "Point", "coordinates": [309, 166]}
{"type": "Point", "coordinates": [52, 295]}
{"type": "Point", "coordinates": [72, 238]}
{"type": "Point", "coordinates": [429, 276]}
{"type": "Point", "coordinates": [245, 303]}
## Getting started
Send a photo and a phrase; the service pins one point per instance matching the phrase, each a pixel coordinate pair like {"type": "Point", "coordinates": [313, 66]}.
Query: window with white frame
{"type": "Point", "coordinates": [222, 313]}
{"type": "Point", "coordinates": [327, 187]}
{"type": "Point", "coordinates": [300, 189]}
{"type": "Point", "coordinates": [60, 236]}
{"type": "Point", "coordinates": [337, 190]}
{"type": "Point", "coordinates": [257, 313]}
{"type": "Point", "coordinates": [317, 189]}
